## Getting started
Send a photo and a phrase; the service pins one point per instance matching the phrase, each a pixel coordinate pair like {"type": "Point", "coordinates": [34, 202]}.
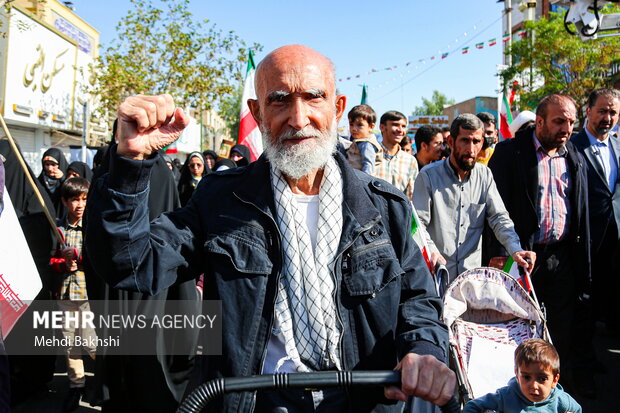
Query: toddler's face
{"type": "Point", "coordinates": [536, 381]}
{"type": "Point", "coordinates": [360, 128]}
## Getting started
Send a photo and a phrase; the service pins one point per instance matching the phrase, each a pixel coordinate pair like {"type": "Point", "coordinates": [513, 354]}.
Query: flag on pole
{"type": "Point", "coordinates": [492, 42]}
{"type": "Point", "coordinates": [249, 134]}
{"type": "Point", "coordinates": [512, 268]}
{"type": "Point", "coordinates": [364, 95]}
{"type": "Point", "coordinates": [464, 50]}
{"type": "Point", "coordinates": [480, 45]}
{"type": "Point", "coordinates": [522, 33]}
{"type": "Point", "coordinates": [420, 240]}
{"type": "Point", "coordinates": [19, 279]}
{"type": "Point", "coordinates": [505, 37]}
{"type": "Point", "coordinates": [506, 117]}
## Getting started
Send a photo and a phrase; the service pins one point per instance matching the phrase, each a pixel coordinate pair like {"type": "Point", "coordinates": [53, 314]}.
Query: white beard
{"type": "Point", "coordinates": [298, 160]}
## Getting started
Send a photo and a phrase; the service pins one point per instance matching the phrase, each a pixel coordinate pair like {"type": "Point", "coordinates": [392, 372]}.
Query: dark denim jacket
{"type": "Point", "coordinates": [385, 295]}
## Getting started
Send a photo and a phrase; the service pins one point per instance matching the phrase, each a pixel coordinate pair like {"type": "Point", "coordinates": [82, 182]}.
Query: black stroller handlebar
{"type": "Point", "coordinates": [203, 394]}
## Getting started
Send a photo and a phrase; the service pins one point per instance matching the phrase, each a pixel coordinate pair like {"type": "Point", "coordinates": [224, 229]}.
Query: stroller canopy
{"type": "Point", "coordinates": [488, 295]}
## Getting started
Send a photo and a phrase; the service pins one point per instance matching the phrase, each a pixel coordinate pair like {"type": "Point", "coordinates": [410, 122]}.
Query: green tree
{"type": "Point", "coordinates": [168, 51]}
{"type": "Point", "coordinates": [230, 109]}
{"type": "Point", "coordinates": [434, 106]}
{"type": "Point", "coordinates": [550, 60]}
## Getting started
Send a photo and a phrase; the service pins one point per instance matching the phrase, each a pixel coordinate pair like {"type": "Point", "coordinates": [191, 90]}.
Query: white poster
{"type": "Point", "coordinates": [19, 279]}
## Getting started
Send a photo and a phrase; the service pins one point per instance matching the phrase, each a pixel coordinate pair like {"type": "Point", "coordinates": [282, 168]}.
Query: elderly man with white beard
{"type": "Point", "coordinates": [312, 260]}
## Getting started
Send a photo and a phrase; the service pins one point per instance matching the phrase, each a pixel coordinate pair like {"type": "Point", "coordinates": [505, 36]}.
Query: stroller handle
{"type": "Point", "coordinates": [198, 399]}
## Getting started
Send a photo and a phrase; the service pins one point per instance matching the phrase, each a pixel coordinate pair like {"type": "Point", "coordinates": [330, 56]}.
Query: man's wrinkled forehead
{"type": "Point", "coordinates": [294, 73]}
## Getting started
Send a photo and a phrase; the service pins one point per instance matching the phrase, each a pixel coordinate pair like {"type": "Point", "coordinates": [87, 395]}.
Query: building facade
{"type": "Point", "coordinates": [46, 56]}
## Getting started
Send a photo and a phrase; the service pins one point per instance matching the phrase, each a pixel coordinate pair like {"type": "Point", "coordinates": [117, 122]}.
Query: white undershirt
{"type": "Point", "coordinates": [309, 207]}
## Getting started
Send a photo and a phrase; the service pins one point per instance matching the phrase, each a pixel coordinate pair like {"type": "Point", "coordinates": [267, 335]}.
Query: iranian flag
{"type": "Point", "coordinates": [418, 236]}
{"type": "Point", "coordinates": [249, 135]}
{"type": "Point", "coordinates": [506, 117]}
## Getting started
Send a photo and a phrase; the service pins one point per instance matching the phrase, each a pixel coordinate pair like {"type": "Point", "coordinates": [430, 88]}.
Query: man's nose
{"type": "Point", "coordinates": [298, 115]}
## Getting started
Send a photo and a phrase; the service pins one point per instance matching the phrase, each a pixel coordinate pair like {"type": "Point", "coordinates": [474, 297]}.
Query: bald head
{"type": "Point", "coordinates": [293, 59]}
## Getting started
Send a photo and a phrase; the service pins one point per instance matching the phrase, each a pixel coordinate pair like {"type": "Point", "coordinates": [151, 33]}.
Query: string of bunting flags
{"type": "Point", "coordinates": [465, 50]}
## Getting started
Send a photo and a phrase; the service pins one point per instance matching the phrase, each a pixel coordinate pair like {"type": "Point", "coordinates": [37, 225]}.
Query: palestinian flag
{"type": "Point", "coordinates": [418, 237]}
{"type": "Point", "coordinates": [506, 117]}
{"type": "Point", "coordinates": [492, 42]}
{"type": "Point", "coordinates": [479, 45]}
{"type": "Point", "coordinates": [249, 134]}
{"type": "Point", "coordinates": [505, 37]}
{"type": "Point", "coordinates": [465, 50]}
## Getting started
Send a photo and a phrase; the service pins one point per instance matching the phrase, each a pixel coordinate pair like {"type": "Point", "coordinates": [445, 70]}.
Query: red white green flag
{"type": "Point", "coordinates": [506, 117]}
{"type": "Point", "coordinates": [249, 134]}
{"type": "Point", "coordinates": [420, 240]}
{"type": "Point", "coordinates": [492, 42]}
{"type": "Point", "coordinates": [479, 45]}
{"type": "Point", "coordinates": [505, 37]}
{"type": "Point", "coordinates": [464, 50]}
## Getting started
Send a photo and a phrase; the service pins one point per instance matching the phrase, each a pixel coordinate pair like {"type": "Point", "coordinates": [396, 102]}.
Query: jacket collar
{"type": "Point", "coordinates": [257, 190]}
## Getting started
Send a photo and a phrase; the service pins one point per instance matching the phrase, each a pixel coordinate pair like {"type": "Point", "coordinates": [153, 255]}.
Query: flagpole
{"type": "Point", "coordinates": [19, 157]}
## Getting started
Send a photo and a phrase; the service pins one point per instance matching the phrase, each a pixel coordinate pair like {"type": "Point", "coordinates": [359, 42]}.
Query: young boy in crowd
{"type": "Point", "coordinates": [72, 294]}
{"type": "Point", "coordinates": [365, 152]}
{"type": "Point", "coordinates": [534, 388]}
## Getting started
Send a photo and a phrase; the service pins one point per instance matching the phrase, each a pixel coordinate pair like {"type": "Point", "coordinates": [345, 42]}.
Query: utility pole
{"type": "Point", "coordinates": [508, 12]}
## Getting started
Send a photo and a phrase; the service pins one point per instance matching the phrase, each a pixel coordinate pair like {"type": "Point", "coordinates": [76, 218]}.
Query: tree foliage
{"type": "Point", "coordinates": [434, 106]}
{"type": "Point", "coordinates": [550, 60]}
{"type": "Point", "coordinates": [168, 51]}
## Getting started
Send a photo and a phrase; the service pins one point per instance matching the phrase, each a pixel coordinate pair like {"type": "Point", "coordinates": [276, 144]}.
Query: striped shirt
{"type": "Point", "coordinates": [74, 283]}
{"type": "Point", "coordinates": [552, 197]}
{"type": "Point", "coordinates": [400, 170]}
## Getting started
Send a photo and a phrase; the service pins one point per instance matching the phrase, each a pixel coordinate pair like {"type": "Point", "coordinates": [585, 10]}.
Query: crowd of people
{"type": "Point", "coordinates": [309, 248]}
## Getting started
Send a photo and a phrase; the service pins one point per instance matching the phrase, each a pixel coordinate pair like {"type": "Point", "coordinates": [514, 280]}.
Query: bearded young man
{"type": "Point", "coordinates": [455, 197]}
{"type": "Point", "coordinates": [312, 260]}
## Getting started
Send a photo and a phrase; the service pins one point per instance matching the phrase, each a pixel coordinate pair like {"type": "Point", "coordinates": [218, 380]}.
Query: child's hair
{"type": "Point", "coordinates": [405, 141]}
{"type": "Point", "coordinates": [364, 112]}
{"type": "Point", "coordinates": [536, 350]}
{"type": "Point", "coordinates": [74, 187]}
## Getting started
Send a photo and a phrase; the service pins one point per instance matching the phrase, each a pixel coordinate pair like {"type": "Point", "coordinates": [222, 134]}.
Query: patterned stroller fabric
{"type": "Point", "coordinates": [486, 307]}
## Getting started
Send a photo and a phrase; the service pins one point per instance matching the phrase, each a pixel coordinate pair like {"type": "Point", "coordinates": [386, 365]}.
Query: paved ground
{"type": "Point", "coordinates": [607, 346]}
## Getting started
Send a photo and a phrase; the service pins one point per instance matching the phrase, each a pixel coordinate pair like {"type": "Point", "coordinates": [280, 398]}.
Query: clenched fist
{"type": "Point", "coordinates": [147, 124]}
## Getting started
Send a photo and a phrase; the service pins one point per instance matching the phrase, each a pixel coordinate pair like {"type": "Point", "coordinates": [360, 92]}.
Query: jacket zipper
{"type": "Point", "coordinates": [337, 265]}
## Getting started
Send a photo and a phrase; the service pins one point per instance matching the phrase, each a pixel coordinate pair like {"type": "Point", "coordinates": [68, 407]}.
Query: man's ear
{"type": "Point", "coordinates": [341, 104]}
{"type": "Point", "coordinates": [382, 128]}
{"type": "Point", "coordinates": [540, 121]}
{"type": "Point", "coordinates": [450, 140]}
{"type": "Point", "coordinates": [255, 110]}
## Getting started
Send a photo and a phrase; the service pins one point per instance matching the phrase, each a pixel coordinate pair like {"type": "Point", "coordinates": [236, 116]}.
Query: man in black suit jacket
{"type": "Point", "coordinates": [601, 150]}
{"type": "Point", "coordinates": [542, 180]}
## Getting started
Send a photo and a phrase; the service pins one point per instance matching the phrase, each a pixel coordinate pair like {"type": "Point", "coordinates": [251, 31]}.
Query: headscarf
{"type": "Point", "coordinates": [188, 182]}
{"type": "Point", "coordinates": [243, 151]}
{"type": "Point", "coordinates": [52, 185]}
{"type": "Point", "coordinates": [224, 164]}
{"type": "Point", "coordinates": [82, 169]}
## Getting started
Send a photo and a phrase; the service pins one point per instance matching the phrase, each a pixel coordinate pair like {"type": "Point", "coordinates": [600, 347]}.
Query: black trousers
{"type": "Point", "coordinates": [569, 314]}
{"type": "Point", "coordinates": [606, 278]}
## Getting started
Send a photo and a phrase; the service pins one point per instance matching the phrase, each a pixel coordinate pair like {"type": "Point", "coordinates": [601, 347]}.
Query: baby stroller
{"type": "Point", "coordinates": [488, 314]}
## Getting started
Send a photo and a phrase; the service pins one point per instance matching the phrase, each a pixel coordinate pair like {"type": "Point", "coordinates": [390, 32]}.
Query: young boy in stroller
{"type": "Point", "coordinates": [534, 388]}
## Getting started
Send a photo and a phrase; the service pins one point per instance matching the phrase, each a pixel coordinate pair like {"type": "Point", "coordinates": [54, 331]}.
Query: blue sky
{"type": "Point", "coordinates": [359, 36]}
